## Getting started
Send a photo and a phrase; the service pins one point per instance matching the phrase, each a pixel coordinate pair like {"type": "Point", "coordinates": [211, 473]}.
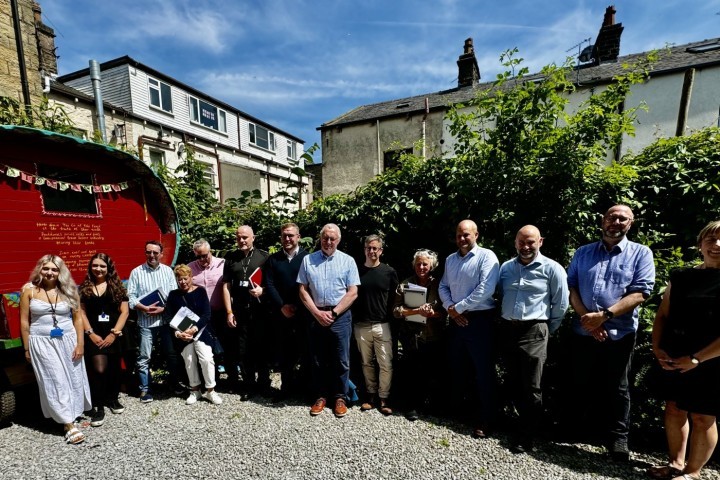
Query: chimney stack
{"type": "Point", "coordinates": [468, 71]}
{"type": "Point", "coordinates": [607, 44]}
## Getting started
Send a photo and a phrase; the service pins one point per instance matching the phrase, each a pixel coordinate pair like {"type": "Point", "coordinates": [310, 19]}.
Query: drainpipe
{"type": "Point", "coordinates": [21, 56]}
{"type": "Point", "coordinates": [427, 111]}
{"type": "Point", "coordinates": [99, 111]}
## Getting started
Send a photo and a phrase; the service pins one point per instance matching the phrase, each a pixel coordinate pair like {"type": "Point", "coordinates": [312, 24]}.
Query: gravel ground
{"type": "Point", "coordinates": [259, 439]}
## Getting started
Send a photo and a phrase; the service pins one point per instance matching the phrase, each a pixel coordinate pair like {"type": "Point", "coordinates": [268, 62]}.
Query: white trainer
{"type": "Point", "coordinates": [195, 395]}
{"type": "Point", "coordinates": [213, 397]}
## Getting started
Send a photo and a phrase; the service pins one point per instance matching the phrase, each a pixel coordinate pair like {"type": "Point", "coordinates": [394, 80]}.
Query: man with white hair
{"type": "Point", "coordinates": [329, 282]}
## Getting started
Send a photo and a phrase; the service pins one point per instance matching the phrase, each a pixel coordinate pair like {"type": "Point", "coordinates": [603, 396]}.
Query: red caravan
{"type": "Point", "coordinates": [72, 198]}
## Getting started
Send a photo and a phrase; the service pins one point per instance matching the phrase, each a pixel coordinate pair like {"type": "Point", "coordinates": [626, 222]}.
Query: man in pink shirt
{"type": "Point", "coordinates": [207, 272]}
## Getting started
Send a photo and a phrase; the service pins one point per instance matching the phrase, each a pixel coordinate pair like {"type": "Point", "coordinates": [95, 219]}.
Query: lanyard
{"type": "Point", "coordinates": [53, 307]}
{"type": "Point", "coordinates": [102, 302]}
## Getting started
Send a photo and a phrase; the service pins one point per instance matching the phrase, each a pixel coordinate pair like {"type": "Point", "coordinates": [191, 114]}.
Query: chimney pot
{"type": "Point", "coordinates": [468, 70]}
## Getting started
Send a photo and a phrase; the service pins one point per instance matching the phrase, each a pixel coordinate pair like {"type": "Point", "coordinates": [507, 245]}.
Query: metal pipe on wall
{"type": "Point", "coordinates": [97, 93]}
{"type": "Point", "coordinates": [21, 55]}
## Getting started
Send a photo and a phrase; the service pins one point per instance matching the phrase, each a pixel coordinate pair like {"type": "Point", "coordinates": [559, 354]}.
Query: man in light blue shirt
{"type": "Point", "coordinates": [534, 296]}
{"type": "Point", "coordinates": [466, 291]}
{"type": "Point", "coordinates": [608, 280]}
{"type": "Point", "coordinates": [144, 279]}
{"type": "Point", "coordinates": [329, 282]}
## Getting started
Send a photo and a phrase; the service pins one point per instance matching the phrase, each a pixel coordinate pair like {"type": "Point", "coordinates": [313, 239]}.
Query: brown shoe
{"type": "Point", "coordinates": [384, 408]}
{"type": "Point", "coordinates": [340, 408]}
{"type": "Point", "coordinates": [318, 407]}
{"type": "Point", "coordinates": [480, 432]}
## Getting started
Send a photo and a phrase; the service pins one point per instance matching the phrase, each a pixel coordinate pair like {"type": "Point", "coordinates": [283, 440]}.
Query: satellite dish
{"type": "Point", "coordinates": [586, 54]}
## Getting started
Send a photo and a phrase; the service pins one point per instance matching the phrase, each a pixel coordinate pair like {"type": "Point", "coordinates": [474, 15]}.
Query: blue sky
{"type": "Point", "coordinates": [298, 63]}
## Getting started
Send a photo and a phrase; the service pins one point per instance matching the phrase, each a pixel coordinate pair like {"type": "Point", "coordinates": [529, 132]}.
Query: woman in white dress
{"type": "Point", "coordinates": [52, 333]}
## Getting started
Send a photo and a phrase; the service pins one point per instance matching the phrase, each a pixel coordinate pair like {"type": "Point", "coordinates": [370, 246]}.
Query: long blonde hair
{"type": "Point", "coordinates": [65, 283]}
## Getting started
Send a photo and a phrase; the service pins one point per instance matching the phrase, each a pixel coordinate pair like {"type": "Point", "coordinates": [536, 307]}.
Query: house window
{"type": "Point", "coordinates": [262, 137]}
{"type": "Point", "coordinates": [291, 150]}
{"type": "Point", "coordinates": [391, 158]}
{"type": "Point", "coordinates": [208, 115]}
{"type": "Point", "coordinates": [209, 174]}
{"type": "Point", "coordinates": [157, 159]}
{"type": "Point", "coordinates": [56, 200]}
{"type": "Point", "coordinates": [160, 95]}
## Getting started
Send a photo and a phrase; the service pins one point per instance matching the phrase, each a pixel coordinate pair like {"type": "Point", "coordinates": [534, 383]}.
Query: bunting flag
{"type": "Point", "coordinates": [63, 186]}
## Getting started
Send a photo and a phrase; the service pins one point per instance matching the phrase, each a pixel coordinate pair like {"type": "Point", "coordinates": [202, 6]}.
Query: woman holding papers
{"type": "Point", "coordinates": [104, 307]}
{"type": "Point", "coordinates": [421, 333]}
{"type": "Point", "coordinates": [188, 311]}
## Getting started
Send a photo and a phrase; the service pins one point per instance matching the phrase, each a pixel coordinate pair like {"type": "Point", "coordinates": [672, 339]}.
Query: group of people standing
{"type": "Point", "coordinates": [309, 306]}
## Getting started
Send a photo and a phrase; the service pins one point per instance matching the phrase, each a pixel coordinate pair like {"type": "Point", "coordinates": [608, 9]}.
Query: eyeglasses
{"type": "Point", "coordinates": [373, 249]}
{"type": "Point", "coordinates": [619, 218]}
{"type": "Point", "coordinates": [150, 252]}
{"type": "Point", "coordinates": [202, 256]}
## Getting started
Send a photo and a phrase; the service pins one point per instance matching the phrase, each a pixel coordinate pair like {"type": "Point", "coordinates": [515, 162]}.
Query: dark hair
{"type": "Point", "coordinates": [114, 284]}
{"type": "Point", "coordinates": [154, 242]}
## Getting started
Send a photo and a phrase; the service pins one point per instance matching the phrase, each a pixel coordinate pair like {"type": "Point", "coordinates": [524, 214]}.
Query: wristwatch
{"type": "Point", "coordinates": [608, 314]}
{"type": "Point", "coordinates": [334, 314]}
{"type": "Point", "coordinates": [694, 360]}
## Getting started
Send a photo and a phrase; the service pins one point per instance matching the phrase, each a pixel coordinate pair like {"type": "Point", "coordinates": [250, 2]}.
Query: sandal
{"type": "Point", "coordinates": [662, 472]}
{"type": "Point", "coordinates": [74, 436]}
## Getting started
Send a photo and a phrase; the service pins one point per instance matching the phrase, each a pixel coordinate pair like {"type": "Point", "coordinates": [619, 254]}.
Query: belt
{"type": "Point", "coordinates": [517, 323]}
{"type": "Point", "coordinates": [327, 309]}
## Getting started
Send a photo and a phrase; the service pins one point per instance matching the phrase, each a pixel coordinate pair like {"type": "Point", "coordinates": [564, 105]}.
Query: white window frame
{"type": "Point", "coordinates": [155, 85]}
{"type": "Point", "coordinates": [292, 150]}
{"type": "Point", "coordinates": [194, 112]}
{"type": "Point", "coordinates": [261, 137]}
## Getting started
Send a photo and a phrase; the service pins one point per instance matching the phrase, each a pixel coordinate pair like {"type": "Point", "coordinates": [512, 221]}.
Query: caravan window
{"type": "Point", "coordinates": [69, 201]}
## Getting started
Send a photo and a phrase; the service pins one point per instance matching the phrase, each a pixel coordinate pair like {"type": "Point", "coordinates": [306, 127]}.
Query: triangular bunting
{"type": "Point", "coordinates": [106, 188]}
{"type": "Point", "coordinates": [115, 187]}
{"type": "Point", "coordinates": [88, 188]}
{"type": "Point", "coordinates": [75, 187]}
{"type": "Point", "coordinates": [51, 183]}
{"type": "Point", "coordinates": [63, 186]}
{"type": "Point", "coordinates": [26, 177]}
{"type": "Point", "coordinates": [96, 189]}
{"type": "Point", "coordinates": [40, 181]}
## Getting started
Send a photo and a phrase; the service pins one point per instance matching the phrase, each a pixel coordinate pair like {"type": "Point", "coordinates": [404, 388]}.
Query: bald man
{"type": "Point", "coordinates": [466, 291]}
{"type": "Point", "coordinates": [534, 295]}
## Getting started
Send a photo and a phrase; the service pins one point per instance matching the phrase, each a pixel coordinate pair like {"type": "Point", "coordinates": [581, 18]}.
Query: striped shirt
{"type": "Point", "coordinates": [328, 278]}
{"type": "Point", "coordinates": [144, 280]}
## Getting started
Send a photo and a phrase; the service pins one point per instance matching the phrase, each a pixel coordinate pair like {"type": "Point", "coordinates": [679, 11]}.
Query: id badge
{"type": "Point", "coordinates": [244, 283]}
{"type": "Point", "coordinates": [56, 332]}
{"type": "Point", "coordinates": [104, 317]}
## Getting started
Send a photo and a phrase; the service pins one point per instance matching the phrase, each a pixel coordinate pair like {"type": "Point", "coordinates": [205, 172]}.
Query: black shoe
{"type": "Point", "coordinates": [98, 418]}
{"type": "Point", "coordinates": [412, 415]}
{"type": "Point", "coordinates": [116, 407]}
{"type": "Point", "coordinates": [619, 451]}
{"type": "Point", "coordinates": [522, 445]}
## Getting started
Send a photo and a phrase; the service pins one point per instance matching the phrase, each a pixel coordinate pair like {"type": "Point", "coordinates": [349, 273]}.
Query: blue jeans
{"type": "Point", "coordinates": [147, 337]}
{"type": "Point", "coordinates": [330, 350]}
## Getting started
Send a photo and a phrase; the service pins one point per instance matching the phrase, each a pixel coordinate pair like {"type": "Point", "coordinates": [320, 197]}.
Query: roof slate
{"type": "Point", "coordinates": [673, 59]}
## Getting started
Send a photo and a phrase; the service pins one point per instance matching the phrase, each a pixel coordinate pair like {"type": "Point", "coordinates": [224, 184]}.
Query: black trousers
{"type": "Point", "coordinates": [523, 350]}
{"type": "Point", "coordinates": [600, 374]}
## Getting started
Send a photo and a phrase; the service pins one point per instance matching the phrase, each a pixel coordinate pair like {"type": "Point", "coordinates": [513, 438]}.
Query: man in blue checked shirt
{"type": "Point", "coordinates": [534, 296]}
{"type": "Point", "coordinates": [144, 279]}
{"type": "Point", "coordinates": [608, 280]}
{"type": "Point", "coordinates": [466, 291]}
{"type": "Point", "coordinates": [329, 282]}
